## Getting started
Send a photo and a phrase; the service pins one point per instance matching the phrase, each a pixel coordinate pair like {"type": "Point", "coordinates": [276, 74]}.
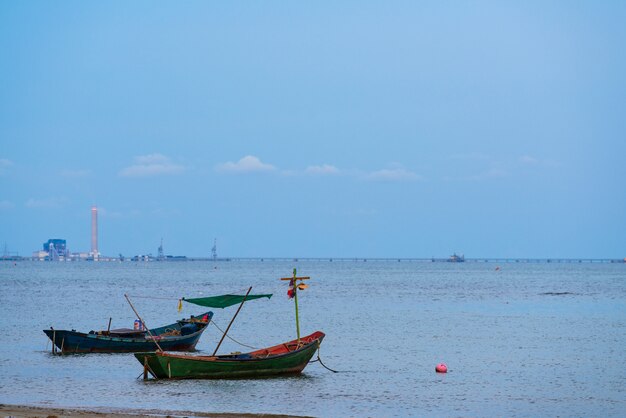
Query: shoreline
{"type": "Point", "coordinates": [32, 411]}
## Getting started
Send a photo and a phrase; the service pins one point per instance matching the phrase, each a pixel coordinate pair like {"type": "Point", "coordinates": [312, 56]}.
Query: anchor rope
{"type": "Point", "coordinates": [240, 343]}
{"type": "Point", "coordinates": [323, 365]}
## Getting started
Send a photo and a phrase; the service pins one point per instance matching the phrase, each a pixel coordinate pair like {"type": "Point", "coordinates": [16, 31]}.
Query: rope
{"type": "Point", "coordinates": [255, 348]}
{"type": "Point", "coordinates": [323, 365]}
{"type": "Point", "coordinates": [153, 297]}
{"type": "Point", "coordinates": [240, 343]}
{"type": "Point", "coordinates": [168, 297]}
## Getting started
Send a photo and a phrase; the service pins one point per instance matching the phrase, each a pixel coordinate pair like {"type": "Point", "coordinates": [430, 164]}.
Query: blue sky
{"type": "Point", "coordinates": [327, 129]}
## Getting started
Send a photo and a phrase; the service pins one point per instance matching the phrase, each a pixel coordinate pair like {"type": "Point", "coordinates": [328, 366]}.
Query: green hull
{"type": "Point", "coordinates": [176, 366]}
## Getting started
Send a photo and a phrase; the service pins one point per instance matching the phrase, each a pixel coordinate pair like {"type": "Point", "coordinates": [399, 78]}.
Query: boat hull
{"type": "Point", "coordinates": [68, 342]}
{"type": "Point", "coordinates": [175, 366]}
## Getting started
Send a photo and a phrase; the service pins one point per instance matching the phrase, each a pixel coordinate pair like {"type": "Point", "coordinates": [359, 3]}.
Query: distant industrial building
{"type": "Point", "coordinates": [56, 245]}
{"type": "Point", "coordinates": [54, 249]}
{"type": "Point", "coordinates": [57, 248]}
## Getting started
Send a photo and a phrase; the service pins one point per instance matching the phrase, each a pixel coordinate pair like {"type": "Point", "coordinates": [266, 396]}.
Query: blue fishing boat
{"type": "Point", "coordinates": [183, 335]}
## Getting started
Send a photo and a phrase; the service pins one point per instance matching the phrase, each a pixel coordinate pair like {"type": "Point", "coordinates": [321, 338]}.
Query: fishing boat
{"type": "Point", "coordinates": [183, 335]}
{"type": "Point", "coordinates": [454, 258]}
{"type": "Point", "coordinates": [286, 358]}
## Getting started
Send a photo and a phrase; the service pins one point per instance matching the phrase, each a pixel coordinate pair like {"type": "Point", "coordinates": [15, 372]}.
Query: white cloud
{"type": "Point", "coordinates": [247, 164]}
{"type": "Point", "coordinates": [151, 165]}
{"type": "Point", "coordinates": [324, 169]}
{"type": "Point", "coordinates": [49, 203]}
{"type": "Point", "coordinates": [393, 174]}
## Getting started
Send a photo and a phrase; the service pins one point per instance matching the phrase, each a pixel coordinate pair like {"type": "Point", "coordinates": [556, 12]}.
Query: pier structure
{"type": "Point", "coordinates": [427, 260]}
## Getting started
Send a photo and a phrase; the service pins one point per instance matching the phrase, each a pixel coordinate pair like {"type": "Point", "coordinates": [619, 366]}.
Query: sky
{"type": "Point", "coordinates": [315, 129]}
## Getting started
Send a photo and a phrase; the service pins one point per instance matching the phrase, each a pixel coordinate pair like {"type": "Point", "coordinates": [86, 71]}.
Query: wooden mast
{"type": "Point", "coordinates": [295, 295]}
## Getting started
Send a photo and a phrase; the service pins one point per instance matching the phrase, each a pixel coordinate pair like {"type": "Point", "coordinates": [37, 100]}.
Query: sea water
{"type": "Point", "coordinates": [518, 340]}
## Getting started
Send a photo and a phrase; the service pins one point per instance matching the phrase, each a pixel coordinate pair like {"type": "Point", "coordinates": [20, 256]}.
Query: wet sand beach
{"type": "Point", "coordinates": [45, 412]}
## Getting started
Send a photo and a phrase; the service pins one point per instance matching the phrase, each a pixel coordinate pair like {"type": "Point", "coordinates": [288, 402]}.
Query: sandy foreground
{"type": "Point", "coordinates": [44, 412]}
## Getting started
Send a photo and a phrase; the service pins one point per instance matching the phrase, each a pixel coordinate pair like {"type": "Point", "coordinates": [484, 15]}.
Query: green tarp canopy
{"type": "Point", "coordinates": [223, 301]}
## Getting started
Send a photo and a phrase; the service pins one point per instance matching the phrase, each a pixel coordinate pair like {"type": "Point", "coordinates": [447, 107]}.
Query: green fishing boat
{"type": "Point", "coordinates": [287, 358]}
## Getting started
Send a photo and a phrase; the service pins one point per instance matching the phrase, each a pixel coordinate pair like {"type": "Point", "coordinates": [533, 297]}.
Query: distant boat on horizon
{"type": "Point", "coordinates": [456, 258]}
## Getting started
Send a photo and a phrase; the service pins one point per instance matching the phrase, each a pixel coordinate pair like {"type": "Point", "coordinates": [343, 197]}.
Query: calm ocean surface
{"type": "Point", "coordinates": [514, 345]}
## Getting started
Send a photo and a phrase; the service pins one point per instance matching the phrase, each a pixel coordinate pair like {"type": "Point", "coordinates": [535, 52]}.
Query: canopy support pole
{"type": "Point", "coordinates": [144, 324]}
{"type": "Point", "coordinates": [232, 320]}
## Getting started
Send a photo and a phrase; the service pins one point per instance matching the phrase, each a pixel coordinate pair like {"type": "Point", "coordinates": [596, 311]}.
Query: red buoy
{"type": "Point", "coordinates": [441, 368]}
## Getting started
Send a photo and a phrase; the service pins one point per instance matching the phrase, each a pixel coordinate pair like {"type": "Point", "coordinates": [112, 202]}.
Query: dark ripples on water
{"type": "Point", "coordinates": [528, 340]}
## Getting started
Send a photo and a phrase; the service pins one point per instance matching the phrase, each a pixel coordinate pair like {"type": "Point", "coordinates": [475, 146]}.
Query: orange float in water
{"type": "Point", "coordinates": [441, 368]}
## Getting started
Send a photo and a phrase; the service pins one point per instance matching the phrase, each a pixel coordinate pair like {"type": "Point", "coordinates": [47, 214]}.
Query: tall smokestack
{"type": "Point", "coordinates": [94, 232]}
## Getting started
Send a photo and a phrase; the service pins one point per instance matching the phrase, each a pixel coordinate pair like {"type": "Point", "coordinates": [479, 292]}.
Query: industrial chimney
{"type": "Point", "coordinates": [94, 232]}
